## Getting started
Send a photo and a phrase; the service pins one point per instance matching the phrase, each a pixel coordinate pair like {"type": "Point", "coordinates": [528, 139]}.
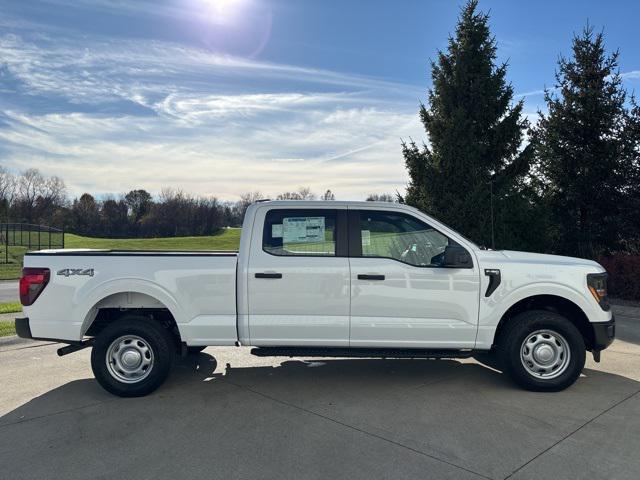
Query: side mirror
{"type": "Point", "coordinates": [456, 256]}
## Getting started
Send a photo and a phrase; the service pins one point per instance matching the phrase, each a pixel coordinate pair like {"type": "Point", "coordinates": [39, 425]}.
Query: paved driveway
{"type": "Point", "coordinates": [9, 291]}
{"type": "Point", "coordinates": [238, 416]}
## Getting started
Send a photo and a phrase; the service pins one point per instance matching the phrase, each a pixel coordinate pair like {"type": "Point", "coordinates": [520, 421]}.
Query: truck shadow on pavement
{"type": "Point", "coordinates": [283, 413]}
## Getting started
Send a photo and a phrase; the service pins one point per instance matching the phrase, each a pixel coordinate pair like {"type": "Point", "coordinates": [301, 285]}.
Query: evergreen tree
{"type": "Point", "coordinates": [474, 161]}
{"type": "Point", "coordinates": [586, 151]}
{"type": "Point", "coordinates": [630, 208]}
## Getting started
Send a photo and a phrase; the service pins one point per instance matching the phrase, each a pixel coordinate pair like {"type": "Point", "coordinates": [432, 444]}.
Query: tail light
{"type": "Point", "coordinates": [32, 284]}
{"type": "Point", "coordinates": [597, 283]}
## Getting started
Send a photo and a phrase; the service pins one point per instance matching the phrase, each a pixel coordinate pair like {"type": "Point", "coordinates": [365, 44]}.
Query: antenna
{"type": "Point", "coordinates": [493, 238]}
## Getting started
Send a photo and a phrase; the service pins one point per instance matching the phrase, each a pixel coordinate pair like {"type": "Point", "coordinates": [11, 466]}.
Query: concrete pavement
{"type": "Point", "coordinates": [9, 291]}
{"type": "Point", "coordinates": [227, 414]}
{"type": "Point", "coordinates": [627, 323]}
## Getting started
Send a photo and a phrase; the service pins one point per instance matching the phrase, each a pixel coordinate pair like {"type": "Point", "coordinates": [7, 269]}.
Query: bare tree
{"type": "Point", "coordinates": [306, 194]}
{"type": "Point", "coordinates": [7, 185]}
{"type": "Point", "coordinates": [54, 190]}
{"type": "Point", "coordinates": [381, 197]}
{"type": "Point", "coordinates": [7, 192]}
{"type": "Point", "coordinates": [30, 186]}
{"type": "Point", "coordinates": [250, 197]}
{"type": "Point", "coordinates": [328, 195]}
{"type": "Point", "coordinates": [303, 193]}
{"type": "Point", "coordinates": [246, 199]}
{"type": "Point", "coordinates": [289, 196]}
{"type": "Point", "coordinates": [51, 197]}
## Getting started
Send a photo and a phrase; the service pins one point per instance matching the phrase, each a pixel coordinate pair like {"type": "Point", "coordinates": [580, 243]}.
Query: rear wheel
{"type": "Point", "coordinates": [132, 356]}
{"type": "Point", "coordinates": [542, 351]}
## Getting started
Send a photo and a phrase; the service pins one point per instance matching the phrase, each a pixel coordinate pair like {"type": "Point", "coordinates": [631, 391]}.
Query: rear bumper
{"type": "Point", "coordinates": [22, 328]}
{"type": "Point", "coordinates": [603, 334]}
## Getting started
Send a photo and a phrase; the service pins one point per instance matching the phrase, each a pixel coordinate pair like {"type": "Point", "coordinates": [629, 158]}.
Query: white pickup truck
{"type": "Point", "coordinates": [341, 279]}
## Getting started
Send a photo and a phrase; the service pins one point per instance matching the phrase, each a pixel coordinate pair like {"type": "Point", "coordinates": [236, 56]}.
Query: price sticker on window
{"type": "Point", "coordinates": [303, 229]}
{"type": "Point", "coordinates": [276, 230]}
{"type": "Point", "coordinates": [366, 238]}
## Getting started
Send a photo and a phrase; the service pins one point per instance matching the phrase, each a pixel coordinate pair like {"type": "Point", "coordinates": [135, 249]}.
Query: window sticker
{"type": "Point", "coordinates": [303, 229]}
{"type": "Point", "coordinates": [276, 230]}
{"type": "Point", "coordinates": [366, 238]}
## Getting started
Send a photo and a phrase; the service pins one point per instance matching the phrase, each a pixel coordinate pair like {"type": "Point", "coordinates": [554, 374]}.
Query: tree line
{"type": "Point", "coordinates": [31, 197]}
{"type": "Point", "coordinates": [568, 183]}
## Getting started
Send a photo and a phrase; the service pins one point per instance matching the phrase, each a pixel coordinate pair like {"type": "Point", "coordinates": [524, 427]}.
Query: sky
{"type": "Point", "coordinates": [221, 97]}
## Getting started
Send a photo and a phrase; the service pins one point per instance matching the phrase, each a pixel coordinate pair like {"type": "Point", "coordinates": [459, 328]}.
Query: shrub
{"type": "Point", "coordinates": [624, 275]}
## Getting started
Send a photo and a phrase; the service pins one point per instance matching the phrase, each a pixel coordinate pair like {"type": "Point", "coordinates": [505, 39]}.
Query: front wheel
{"type": "Point", "coordinates": [542, 351]}
{"type": "Point", "coordinates": [132, 356]}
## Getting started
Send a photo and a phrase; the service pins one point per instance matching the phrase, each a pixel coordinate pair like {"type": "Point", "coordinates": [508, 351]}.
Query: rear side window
{"type": "Point", "coordinates": [298, 232]}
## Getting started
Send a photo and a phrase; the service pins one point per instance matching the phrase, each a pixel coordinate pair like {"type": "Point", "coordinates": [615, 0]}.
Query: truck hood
{"type": "Point", "coordinates": [535, 258]}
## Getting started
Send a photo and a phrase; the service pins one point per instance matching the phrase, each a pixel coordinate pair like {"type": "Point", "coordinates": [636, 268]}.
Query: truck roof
{"type": "Point", "coordinates": [331, 203]}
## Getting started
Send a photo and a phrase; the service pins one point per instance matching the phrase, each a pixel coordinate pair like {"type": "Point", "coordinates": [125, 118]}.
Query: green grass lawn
{"type": "Point", "coordinates": [10, 307]}
{"type": "Point", "coordinates": [7, 328]}
{"type": "Point", "coordinates": [227, 239]}
{"type": "Point", "coordinates": [11, 270]}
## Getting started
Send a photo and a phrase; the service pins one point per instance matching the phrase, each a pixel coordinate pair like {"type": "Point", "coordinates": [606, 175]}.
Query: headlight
{"type": "Point", "coordinates": [597, 283]}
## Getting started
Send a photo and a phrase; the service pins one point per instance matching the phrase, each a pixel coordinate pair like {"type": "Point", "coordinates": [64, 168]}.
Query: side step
{"type": "Point", "coordinates": [358, 352]}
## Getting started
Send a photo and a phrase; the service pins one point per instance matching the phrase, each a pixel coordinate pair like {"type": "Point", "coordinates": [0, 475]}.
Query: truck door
{"type": "Point", "coordinates": [298, 282]}
{"type": "Point", "coordinates": [400, 295]}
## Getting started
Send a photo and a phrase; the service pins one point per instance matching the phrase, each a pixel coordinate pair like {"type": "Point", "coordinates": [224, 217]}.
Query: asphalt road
{"type": "Point", "coordinates": [238, 416]}
{"type": "Point", "coordinates": [9, 291]}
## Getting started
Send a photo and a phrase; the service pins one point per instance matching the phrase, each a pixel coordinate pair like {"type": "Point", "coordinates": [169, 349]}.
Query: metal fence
{"type": "Point", "coordinates": [33, 237]}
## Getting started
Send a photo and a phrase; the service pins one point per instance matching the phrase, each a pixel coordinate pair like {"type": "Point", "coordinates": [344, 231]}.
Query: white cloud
{"type": "Point", "coordinates": [199, 108]}
{"type": "Point", "coordinates": [532, 93]}
{"type": "Point", "coordinates": [115, 154]}
{"type": "Point", "coordinates": [211, 124]}
{"type": "Point", "coordinates": [95, 70]}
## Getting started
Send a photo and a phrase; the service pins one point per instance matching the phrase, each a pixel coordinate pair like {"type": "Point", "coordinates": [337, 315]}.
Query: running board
{"type": "Point", "coordinates": [358, 352]}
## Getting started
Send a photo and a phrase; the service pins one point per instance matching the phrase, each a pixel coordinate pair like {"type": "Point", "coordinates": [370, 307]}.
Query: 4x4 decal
{"type": "Point", "coordinates": [67, 272]}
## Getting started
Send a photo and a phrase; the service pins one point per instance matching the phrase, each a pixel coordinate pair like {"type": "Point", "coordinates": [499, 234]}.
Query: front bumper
{"type": "Point", "coordinates": [603, 334]}
{"type": "Point", "coordinates": [22, 328]}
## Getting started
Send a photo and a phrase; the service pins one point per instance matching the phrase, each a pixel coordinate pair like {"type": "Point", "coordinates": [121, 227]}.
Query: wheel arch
{"type": "Point", "coordinates": [117, 298]}
{"type": "Point", "coordinates": [549, 302]}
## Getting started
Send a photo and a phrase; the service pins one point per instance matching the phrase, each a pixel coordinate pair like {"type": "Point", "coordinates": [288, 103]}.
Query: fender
{"type": "Point", "coordinates": [86, 304]}
{"type": "Point", "coordinates": [493, 308]}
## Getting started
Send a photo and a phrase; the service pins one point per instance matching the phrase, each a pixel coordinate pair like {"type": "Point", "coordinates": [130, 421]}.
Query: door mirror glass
{"type": "Point", "coordinates": [456, 256]}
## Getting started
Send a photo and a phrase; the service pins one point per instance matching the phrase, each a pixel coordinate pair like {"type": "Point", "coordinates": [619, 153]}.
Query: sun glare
{"type": "Point", "coordinates": [224, 10]}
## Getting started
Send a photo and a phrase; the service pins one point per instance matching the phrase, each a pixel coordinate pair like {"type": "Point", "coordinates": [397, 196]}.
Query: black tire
{"type": "Point", "coordinates": [158, 345]}
{"type": "Point", "coordinates": [195, 350]}
{"type": "Point", "coordinates": [569, 342]}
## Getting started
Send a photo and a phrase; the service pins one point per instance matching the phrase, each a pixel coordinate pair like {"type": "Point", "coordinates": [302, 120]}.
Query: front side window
{"type": "Point", "coordinates": [402, 237]}
{"type": "Point", "coordinates": [291, 232]}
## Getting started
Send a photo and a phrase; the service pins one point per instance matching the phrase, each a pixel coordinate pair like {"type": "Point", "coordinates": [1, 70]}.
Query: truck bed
{"type": "Point", "coordinates": [197, 287]}
{"type": "Point", "coordinates": [117, 252]}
